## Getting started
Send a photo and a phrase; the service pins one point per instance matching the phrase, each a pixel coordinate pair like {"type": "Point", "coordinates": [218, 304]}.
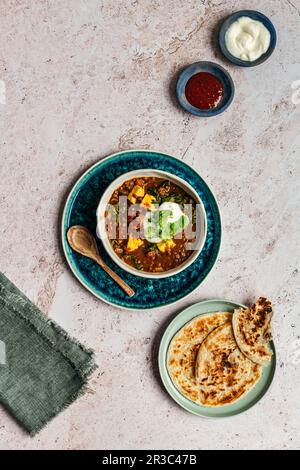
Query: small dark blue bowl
{"type": "Point", "coordinates": [215, 70]}
{"type": "Point", "coordinates": [254, 15]}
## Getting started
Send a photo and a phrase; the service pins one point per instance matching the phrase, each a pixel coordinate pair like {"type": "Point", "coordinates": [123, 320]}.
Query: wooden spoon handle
{"type": "Point", "coordinates": [115, 277]}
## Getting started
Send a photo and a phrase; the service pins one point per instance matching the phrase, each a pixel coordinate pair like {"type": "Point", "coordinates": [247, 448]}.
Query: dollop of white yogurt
{"type": "Point", "coordinates": [151, 222]}
{"type": "Point", "coordinates": [247, 39]}
{"type": "Point", "coordinates": [174, 209]}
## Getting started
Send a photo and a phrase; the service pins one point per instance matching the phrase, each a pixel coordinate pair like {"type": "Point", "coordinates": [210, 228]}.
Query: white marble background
{"type": "Point", "coordinates": [84, 78]}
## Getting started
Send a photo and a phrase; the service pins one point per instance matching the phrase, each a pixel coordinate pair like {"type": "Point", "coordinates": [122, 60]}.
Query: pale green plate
{"type": "Point", "coordinates": [250, 399]}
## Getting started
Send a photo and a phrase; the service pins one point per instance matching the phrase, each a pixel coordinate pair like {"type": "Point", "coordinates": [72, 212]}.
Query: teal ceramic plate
{"type": "Point", "coordinates": [250, 399]}
{"type": "Point", "coordinates": [80, 209]}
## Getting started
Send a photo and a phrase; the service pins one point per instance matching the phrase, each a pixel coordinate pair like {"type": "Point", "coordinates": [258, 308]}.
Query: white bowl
{"type": "Point", "coordinates": [102, 233]}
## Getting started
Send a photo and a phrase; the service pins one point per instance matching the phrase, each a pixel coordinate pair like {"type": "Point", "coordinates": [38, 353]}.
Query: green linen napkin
{"type": "Point", "coordinates": [42, 369]}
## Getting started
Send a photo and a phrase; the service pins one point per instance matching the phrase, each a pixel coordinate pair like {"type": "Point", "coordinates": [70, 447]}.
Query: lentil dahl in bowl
{"type": "Point", "coordinates": [152, 223]}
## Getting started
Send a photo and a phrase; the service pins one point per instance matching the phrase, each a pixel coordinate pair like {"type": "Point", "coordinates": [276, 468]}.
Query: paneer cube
{"type": "Point", "coordinates": [148, 202]}
{"type": "Point", "coordinates": [133, 243]}
{"type": "Point", "coordinates": [131, 198]}
{"type": "Point", "coordinates": [137, 191]}
{"type": "Point", "coordinates": [166, 245]}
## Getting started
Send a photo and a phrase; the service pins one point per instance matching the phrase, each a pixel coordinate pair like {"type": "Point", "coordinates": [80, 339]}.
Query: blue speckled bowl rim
{"type": "Point", "coordinates": [191, 70]}
{"type": "Point", "coordinates": [72, 195]}
{"type": "Point", "coordinates": [256, 15]}
{"type": "Point", "coordinates": [240, 406]}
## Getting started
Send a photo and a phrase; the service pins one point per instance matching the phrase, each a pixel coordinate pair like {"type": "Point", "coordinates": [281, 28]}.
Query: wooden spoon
{"type": "Point", "coordinates": [83, 242]}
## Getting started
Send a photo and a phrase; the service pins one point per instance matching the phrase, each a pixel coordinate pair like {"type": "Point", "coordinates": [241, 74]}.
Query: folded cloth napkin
{"type": "Point", "coordinates": [42, 369]}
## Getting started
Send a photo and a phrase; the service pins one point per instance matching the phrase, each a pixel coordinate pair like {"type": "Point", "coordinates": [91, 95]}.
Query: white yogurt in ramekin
{"type": "Point", "coordinates": [247, 39]}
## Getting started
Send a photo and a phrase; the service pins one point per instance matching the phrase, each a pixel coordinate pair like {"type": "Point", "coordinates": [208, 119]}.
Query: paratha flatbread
{"type": "Point", "coordinates": [222, 371]}
{"type": "Point", "coordinates": [183, 351]}
{"type": "Point", "coordinates": [252, 330]}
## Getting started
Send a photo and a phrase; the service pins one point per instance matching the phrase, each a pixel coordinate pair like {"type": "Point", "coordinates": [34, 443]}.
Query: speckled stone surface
{"type": "Point", "coordinates": [85, 78]}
